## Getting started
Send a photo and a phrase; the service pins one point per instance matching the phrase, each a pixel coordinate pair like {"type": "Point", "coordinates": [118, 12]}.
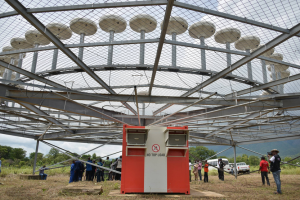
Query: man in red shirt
{"type": "Point", "coordinates": [264, 168]}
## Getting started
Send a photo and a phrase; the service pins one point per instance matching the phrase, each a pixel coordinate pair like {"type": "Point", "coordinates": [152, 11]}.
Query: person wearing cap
{"type": "Point", "coordinates": [275, 169]}
{"type": "Point", "coordinates": [264, 169]}
{"type": "Point", "coordinates": [221, 169]}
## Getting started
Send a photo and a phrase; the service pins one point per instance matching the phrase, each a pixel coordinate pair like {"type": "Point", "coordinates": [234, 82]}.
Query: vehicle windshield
{"type": "Point", "coordinates": [242, 163]}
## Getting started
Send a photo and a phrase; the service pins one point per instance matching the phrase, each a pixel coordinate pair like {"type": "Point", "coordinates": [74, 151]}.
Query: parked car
{"type": "Point", "coordinates": [241, 167]}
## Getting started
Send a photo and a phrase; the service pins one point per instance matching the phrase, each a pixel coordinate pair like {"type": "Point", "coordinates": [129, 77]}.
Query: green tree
{"type": "Point", "coordinates": [253, 160]}
{"type": "Point", "coordinates": [39, 156]}
{"type": "Point", "coordinates": [94, 156]}
{"type": "Point", "coordinates": [17, 153]}
{"type": "Point", "coordinates": [3, 151]}
{"type": "Point", "coordinates": [200, 153]}
{"type": "Point", "coordinates": [53, 152]}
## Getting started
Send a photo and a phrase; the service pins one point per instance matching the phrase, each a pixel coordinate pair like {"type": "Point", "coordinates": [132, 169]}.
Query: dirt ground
{"type": "Point", "coordinates": [245, 187]}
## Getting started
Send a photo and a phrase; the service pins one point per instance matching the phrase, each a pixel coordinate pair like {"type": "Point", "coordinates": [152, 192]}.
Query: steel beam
{"type": "Point", "coordinates": [231, 17]}
{"type": "Point", "coordinates": [46, 116]}
{"type": "Point", "coordinates": [266, 85]}
{"type": "Point", "coordinates": [276, 41]}
{"type": "Point", "coordinates": [232, 125]}
{"type": "Point", "coordinates": [48, 34]}
{"type": "Point", "coordinates": [130, 98]}
{"type": "Point", "coordinates": [161, 42]}
{"type": "Point", "coordinates": [31, 75]}
{"type": "Point", "coordinates": [93, 6]}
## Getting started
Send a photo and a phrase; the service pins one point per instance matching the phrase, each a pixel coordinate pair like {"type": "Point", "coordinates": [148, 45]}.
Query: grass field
{"type": "Point", "coordinates": [245, 187]}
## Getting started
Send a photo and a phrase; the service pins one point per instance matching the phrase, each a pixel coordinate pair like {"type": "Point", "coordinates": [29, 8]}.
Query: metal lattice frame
{"type": "Point", "coordinates": [79, 114]}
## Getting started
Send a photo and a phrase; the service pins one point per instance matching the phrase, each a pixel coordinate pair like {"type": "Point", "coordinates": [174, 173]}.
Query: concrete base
{"type": "Point", "coordinates": [194, 193]}
{"type": "Point", "coordinates": [74, 188]}
{"type": "Point", "coordinates": [30, 177]}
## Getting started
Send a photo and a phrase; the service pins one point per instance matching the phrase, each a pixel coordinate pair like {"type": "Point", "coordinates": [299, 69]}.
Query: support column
{"type": "Point", "coordinates": [274, 76]}
{"type": "Point", "coordinates": [249, 67]}
{"type": "Point", "coordinates": [110, 48]}
{"type": "Point", "coordinates": [34, 60]}
{"type": "Point", "coordinates": [54, 59]}
{"type": "Point", "coordinates": [228, 55]}
{"type": "Point", "coordinates": [280, 87]}
{"type": "Point", "coordinates": [142, 49]}
{"type": "Point", "coordinates": [235, 169]}
{"type": "Point", "coordinates": [9, 72]}
{"type": "Point", "coordinates": [35, 156]}
{"type": "Point", "coordinates": [174, 51]}
{"type": "Point", "coordinates": [80, 53]}
{"type": "Point", "coordinates": [203, 59]}
{"type": "Point", "coordinates": [264, 70]}
{"type": "Point", "coordinates": [20, 62]}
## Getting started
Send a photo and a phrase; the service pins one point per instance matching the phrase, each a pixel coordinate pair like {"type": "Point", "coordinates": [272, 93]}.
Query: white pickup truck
{"type": "Point", "coordinates": [241, 167]}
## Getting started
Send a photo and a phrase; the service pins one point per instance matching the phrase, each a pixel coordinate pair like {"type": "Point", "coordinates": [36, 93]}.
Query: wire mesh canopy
{"type": "Point", "coordinates": [78, 70]}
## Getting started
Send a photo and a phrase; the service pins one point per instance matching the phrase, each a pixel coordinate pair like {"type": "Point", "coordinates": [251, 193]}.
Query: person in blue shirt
{"type": "Point", "coordinates": [89, 170]}
{"type": "Point", "coordinates": [72, 172]}
{"type": "Point", "coordinates": [100, 171]}
{"type": "Point", "coordinates": [77, 170]}
{"type": "Point", "coordinates": [42, 174]}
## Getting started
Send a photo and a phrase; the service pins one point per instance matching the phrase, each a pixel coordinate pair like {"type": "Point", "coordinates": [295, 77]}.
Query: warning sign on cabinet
{"type": "Point", "coordinates": [155, 148]}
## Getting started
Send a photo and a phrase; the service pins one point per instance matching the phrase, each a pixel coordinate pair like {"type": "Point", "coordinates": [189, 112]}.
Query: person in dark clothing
{"type": "Point", "coordinates": [89, 170]}
{"type": "Point", "coordinates": [264, 169]}
{"type": "Point", "coordinates": [100, 171]}
{"type": "Point", "coordinates": [81, 171]}
{"type": "Point", "coordinates": [93, 171]}
{"type": "Point", "coordinates": [72, 171]}
{"type": "Point", "coordinates": [218, 166]}
{"type": "Point", "coordinates": [221, 165]}
{"type": "Point", "coordinates": [275, 169]}
{"type": "Point", "coordinates": [77, 169]}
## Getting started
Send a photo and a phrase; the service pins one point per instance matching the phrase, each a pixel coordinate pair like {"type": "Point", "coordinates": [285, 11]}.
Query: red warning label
{"type": "Point", "coordinates": [155, 148]}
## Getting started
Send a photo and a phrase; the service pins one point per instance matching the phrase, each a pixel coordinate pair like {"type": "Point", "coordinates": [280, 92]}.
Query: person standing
{"type": "Point", "coordinates": [0, 165]}
{"type": "Point", "coordinates": [42, 174]}
{"type": "Point", "coordinates": [89, 170]}
{"type": "Point", "coordinates": [218, 166]}
{"type": "Point", "coordinates": [221, 167]}
{"type": "Point", "coordinates": [190, 169]}
{"type": "Point", "coordinates": [77, 167]}
{"type": "Point", "coordinates": [264, 169]}
{"type": "Point", "coordinates": [199, 170]}
{"type": "Point", "coordinates": [81, 171]}
{"type": "Point", "coordinates": [195, 170]}
{"type": "Point", "coordinates": [107, 165]}
{"type": "Point", "coordinates": [99, 171]}
{"type": "Point", "coordinates": [275, 169]}
{"type": "Point", "coordinates": [206, 172]}
{"type": "Point", "coordinates": [119, 168]}
{"type": "Point", "coordinates": [72, 172]}
{"type": "Point", "coordinates": [114, 167]}
{"type": "Point", "coordinates": [93, 171]}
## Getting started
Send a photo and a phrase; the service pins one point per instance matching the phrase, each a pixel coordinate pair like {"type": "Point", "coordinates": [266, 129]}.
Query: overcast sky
{"type": "Point", "coordinates": [30, 144]}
